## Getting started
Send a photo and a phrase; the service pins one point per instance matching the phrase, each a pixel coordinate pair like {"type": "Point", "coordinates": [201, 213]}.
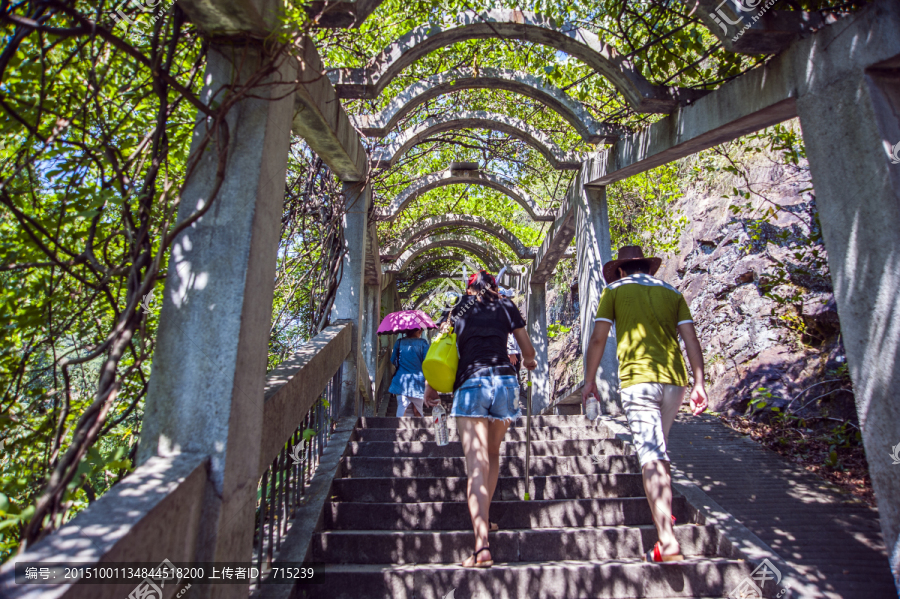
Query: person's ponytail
{"type": "Point", "coordinates": [483, 284]}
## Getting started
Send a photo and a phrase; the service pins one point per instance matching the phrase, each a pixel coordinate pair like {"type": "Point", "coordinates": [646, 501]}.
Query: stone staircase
{"type": "Point", "coordinates": [397, 524]}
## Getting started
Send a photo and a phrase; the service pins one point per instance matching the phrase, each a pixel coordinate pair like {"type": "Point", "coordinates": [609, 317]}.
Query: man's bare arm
{"type": "Point", "coordinates": [699, 399]}
{"type": "Point", "coordinates": [596, 347]}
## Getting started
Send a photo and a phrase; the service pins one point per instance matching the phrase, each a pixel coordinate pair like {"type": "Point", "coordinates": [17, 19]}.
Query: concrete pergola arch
{"type": "Point", "coordinates": [425, 297]}
{"type": "Point", "coordinates": [419, 282]}
{"type": "Point", "coordinates": [642, 95]}
{"type": "Point", "coordinates": [590, 130]}
{"type": "Point", "coordinates": [431, 181]}
{"type": "Point", "coordinates": [387, 157]}
{"type": "Point", "coordinates": [414, 265]}
{"type": "Point", "coordinates": [490, 257]}
{"type": "Point", "coordinates": [426, 227]}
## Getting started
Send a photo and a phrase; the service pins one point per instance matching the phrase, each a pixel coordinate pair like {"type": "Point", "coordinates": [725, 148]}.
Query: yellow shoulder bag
{"type": "Point", "coordinates": [442, 359]}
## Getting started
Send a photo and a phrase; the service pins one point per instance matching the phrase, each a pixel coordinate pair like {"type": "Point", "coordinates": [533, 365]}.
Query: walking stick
{"type": "Point", "coordinates": [528, 438]}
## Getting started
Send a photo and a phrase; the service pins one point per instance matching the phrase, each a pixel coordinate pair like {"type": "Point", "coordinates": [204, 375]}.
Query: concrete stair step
{"type": "Point", "coordinates": [536, 422]}
{"type": "Point", "coordinates": [419, 449]}
{"type": "Point", "coordinates": [621, 579]}
{"type": "Point", "coordinates": [368, 467]}
{"type": "Point", "coordinates": [434, 516]}
{"type": "Point", "coordinates": [526, 545]}
{"type": "Point", "coordinates": [550, 433]}
{"type": "Point", "coordinates": [412, 490]}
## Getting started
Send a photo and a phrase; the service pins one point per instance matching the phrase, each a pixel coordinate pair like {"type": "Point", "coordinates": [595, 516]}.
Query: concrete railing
{"type": "Point", "coordinates": [156, 510]}
{"type": "Point", "coordinates": [293, 387]}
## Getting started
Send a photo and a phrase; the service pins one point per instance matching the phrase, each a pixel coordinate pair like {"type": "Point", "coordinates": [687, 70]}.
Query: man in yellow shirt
{"type": "Point", "coordinates": [649, 315]}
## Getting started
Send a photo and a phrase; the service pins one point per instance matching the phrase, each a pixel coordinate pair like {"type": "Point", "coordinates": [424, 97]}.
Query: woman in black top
{"type": "Point", "coordinates": [486, 394]}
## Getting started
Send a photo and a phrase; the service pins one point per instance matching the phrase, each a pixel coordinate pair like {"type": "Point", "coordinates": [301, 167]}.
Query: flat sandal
{"type": "Point", "coordinates": [477, 564]}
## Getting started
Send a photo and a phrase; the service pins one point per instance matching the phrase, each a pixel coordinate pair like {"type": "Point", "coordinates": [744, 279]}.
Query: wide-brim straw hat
{"type": "Point", "coordinates": [629, 253]}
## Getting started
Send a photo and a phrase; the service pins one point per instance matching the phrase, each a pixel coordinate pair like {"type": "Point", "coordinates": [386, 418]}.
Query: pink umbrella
{"type": "Point", "coordinates": [405, 320]}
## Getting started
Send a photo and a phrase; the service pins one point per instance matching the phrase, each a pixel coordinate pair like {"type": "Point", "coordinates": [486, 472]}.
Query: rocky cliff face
{"type": "Point", "coordinates": [752, 340]}
{"type": "Point", "coordinates": [753, 271]}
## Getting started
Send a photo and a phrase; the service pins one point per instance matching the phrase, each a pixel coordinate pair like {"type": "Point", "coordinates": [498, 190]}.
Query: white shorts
{"type": "Point", "coordinates": [651, 409]}
{"type": "Point", "coordinates": [405, 401]}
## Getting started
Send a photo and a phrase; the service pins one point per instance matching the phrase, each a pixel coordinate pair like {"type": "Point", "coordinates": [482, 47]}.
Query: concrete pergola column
{"type": "Point", "coordinates": [537, 331]}
{"type": "Point", "coordinates": [206, 387]}
{"type": "Point", "coordinates": [858, 197]}
{"type": "Point", "coordinates": [369, 338]}
{"type": "Point", "coordinates": [593, 248]}
{"type": "Point", "coordinates": [349, 300]}
{"type": "Point", "coordinates": [390, 302]}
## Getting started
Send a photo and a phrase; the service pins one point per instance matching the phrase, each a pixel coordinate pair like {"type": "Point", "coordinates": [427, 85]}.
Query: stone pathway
{"type": "Point", "coordinates": [832, 539]}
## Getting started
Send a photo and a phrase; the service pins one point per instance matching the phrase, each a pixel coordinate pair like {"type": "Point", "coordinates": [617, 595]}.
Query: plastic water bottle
{"type": "Point", "coordinates": [592, 409]}
{"type": "Point", "coordinates": [441, 433]}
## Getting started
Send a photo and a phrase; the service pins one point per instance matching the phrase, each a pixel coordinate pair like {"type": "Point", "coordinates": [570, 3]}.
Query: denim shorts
{"type": "Point", "coordinates": [492, 397]}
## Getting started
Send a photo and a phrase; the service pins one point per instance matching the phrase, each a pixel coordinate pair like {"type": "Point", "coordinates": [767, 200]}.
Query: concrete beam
{"type": "Point", "coordinates": [510, 24]}
{"type": "Point", "coordinates": [557, 240]}
{"type": "Point", "coordinates": [431, 181]}
{"type": "Point", "coordinates": [756, 100]}
{"type": "Point", "coordinates": [388, 156]}
{"type": "Point", "coordinates": [320, 119]}
{"type": "Point", "coordinates": [591, 131]}
{"type": "Point", "coordinates": [293, 387]}
{"type": "Point", "coordinates": [745, 105]}
{"type": "Point", "coordinates": [427, 226]}
{"type": "Point", "coordinates": [485, 252]}
{"type": "Point", "coordinates": [746, 27]}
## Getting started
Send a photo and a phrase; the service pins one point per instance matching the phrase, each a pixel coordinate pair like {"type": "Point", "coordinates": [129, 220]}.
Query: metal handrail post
{"type": "Point", "coordinates": [528, 439]}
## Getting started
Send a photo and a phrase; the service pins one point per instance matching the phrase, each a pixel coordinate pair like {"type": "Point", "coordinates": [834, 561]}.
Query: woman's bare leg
{"type": "Point", "coordinates": [496, 431]}
{"type": "Point", "coordinates": [473, 433]}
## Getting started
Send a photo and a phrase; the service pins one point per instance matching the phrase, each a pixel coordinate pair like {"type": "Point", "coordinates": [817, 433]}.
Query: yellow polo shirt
{"type": "Point", "coordinates": [646, 312]}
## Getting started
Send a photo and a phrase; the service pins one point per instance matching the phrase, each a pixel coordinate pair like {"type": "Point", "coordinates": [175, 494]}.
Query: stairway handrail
{"type": "Point", "coordinates": [293, 387]}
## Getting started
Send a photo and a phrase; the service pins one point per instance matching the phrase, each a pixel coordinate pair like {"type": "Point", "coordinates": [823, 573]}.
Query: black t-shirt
{"type": "Point", "coordinates": [481, 334]}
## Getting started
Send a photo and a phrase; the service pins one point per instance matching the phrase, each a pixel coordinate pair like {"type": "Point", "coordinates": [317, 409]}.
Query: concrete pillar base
{"type": "Point", "coordinates": [592, 243]}
{"type": "Point", "coordinates": [537, 331]}
{"type": "Point", "coordinates": [349, 301]}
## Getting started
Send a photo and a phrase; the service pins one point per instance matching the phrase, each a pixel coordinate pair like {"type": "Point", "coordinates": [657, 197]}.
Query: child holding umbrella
{"type": "Point", "coordinates": [407, 355]}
